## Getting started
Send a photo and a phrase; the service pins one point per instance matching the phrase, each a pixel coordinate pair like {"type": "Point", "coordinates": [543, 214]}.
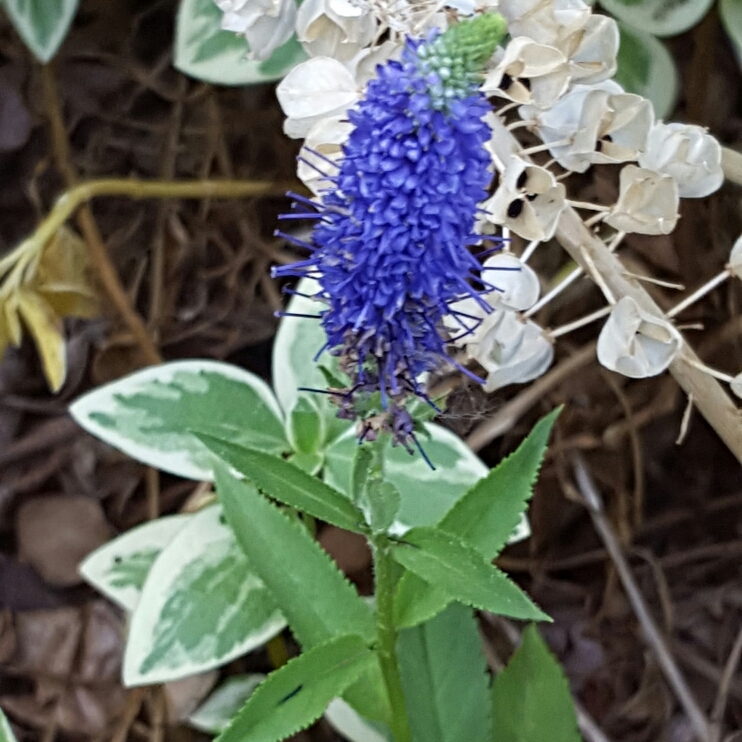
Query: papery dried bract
{"type": "Point", "coordinates": [266, 24]}
{"type": "Point", "coordinates": [363, 65]}
{"type": "Point", "coordinates": [518, 287]}
{"type": "Point", "coordinates": [323, 142]}
{"type": "Point", "coordinates": [594, 124]}
{"type": "Point", "coordinates": [593, 50]}
{"type": "Point", "coordinates": [687, 153]}
{"type": "Point", "coordinates": [316, 89]}
{"type": "Point", "coordinates": [501, 145]}
{"type": "Point", "coordinates": [635, 343]}
{"type": "Point", "coordinates": [549, 22]}
{"type": "Point", "coordinates": [529, 73]}
{"type": "Point", "coordinates": [334, 28]}
{"type": "Point", "coordinates": [648, 202]}
{"type": "Point", "coordinates": [529, 201]}
{"type": "Point", "coordinates": [514, 352]}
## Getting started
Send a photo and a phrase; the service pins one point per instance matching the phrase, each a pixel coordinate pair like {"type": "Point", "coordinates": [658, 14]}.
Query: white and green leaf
{"type": "Point", "coordinates": [42, 24]}
{"type": "Point", "coordinates": [6, 732]}
{"type": "Point", "coordinates": [294, 696]}
{"type": "Point", "coordinates": [119, 568]}
{"type": "Point", "coordinates": [731, 18]}
{"type": "Point", "coordinates": [202, 606]}
{"type": "Point", "coordinates": [462, 573]}
{"type": "Point", "coordinates": [297, 357]}
{"type": "Point", "coordinates": [646, 67]}
{"type": "Point", "coordinates": [150, 413]}
{"type": "Point", "coordinates": [659, 17]}
{"type": "Point", "coordinates": [215, 713]}
{"type": "Point", "coordinates": [204, 51]}
{"type": "Point", "coordinates": [531, 696]}
{"type": "Point", "coordinates": [445, 679]}
{"type": "Point", "coordinates": [351, 725]}
{"type": "Point", "coordinates": [426, 494]}
{"type": "Point", "coordinates": [287, 483]}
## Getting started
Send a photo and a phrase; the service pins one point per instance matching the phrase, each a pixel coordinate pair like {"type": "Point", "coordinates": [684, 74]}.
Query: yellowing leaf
{"type": "Point", "coordinates": [64, 259]}
{"type": "Point", "coordinates": [71, 300]}
{"type": "Point", "coordinates": [62, 276]}
{"type": "Point", "coordinates": [12, 320]}
{"type": "Point", "coordinates": [46, 329]}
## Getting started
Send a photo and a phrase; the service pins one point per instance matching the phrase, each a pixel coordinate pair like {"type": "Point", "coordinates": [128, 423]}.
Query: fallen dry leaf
{"type": "Point", "coordinates": [55, 533]}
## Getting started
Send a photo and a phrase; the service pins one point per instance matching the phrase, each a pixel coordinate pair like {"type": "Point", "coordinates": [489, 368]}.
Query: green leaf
{"type": "Point", "coordinates": [215, 713]}
{"type": "Point", "coordinates": [659, 17]}
{"type": "Point", "coordinates": [731, 18]}
{"type": "Point", "coordinates": [485, 518]}
{"type": "Point", "coordinates": [426, 494]}
{"type": "Point", "coordinates": [646, 67]}
{"type": "Point", "coordinates": [380, 503]}
{"type": "Point", "coordinates": [6, 732]}
{"type": "Point", "coordinates": [288, 484]}
{"type": "Point", "coordinates": [202, 606]}
{"type": "Point", "coordinates": [148, 414]}
{"type": "Point", "coordinates": [306, 426]}
{"type": "Point", "coordinates": [42, 24]}
{"type": "Point", "coordinates": [294, 696]}
{"type": "Point", "coordinates": [317, 600]}
{"type": "Point", "coordinates": [119, 568]}
{"type": "Point", "coordinates": [531, 697]}
{"type": "Point", "coordinates": [445, 680]}
{"type": "Point", "coordinates": [204, 51]}
{"type": "Point", "coordinates": [462, 573]}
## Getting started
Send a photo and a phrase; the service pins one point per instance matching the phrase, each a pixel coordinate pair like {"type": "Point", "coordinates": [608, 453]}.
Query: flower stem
{"type": "Point", "coordinates": [386, 636]}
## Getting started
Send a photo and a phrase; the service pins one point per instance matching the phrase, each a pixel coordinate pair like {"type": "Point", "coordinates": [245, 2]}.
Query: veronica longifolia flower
{"type": "Point", "coordinates": [687, 153]}
{"type": "Point", "coordinates": [389, 246]}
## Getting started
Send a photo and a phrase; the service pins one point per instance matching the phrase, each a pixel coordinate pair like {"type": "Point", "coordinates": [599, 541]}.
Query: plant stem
{"type": "Point", "coordinates": [386, 635]}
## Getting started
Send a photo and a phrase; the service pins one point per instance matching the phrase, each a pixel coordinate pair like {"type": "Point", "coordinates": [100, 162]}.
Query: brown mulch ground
{"type": "Point", "coordinates": [677, 509]}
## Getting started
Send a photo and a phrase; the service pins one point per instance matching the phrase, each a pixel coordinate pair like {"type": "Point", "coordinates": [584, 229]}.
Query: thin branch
{"type": "Point", "coordinates": [731, 163]}
{"type": "Point", "coordinates": [593, 501]}
{"type": "Point", "coordinates": [508, 415]}
{"type": "Point", "coordinates": [717, 713]}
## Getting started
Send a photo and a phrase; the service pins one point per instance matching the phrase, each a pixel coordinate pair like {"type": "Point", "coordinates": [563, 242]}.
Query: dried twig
{"type": "Point", "coordinates": [731, 163]}
{"type": "Point", "coordinates": [592, 499]}
{"type": "Point", "coordinates": [717, 713]}
{"type": "Point", "coordinates": [508, 415]}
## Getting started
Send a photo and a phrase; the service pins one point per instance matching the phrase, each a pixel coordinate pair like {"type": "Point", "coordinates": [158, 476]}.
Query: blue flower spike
{"type": "Point", "coordinates": [391, 237]}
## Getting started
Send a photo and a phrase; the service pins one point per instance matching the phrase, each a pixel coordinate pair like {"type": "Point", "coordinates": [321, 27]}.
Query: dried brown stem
{"type": "Point", "coordinates": [591, 498]}
{"type": "Point", "coordinates": [508, 415]}
{"type": "Point", "coordinates": [96, 247]}
{"type": "Point", "coordinates": [717, 713]}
